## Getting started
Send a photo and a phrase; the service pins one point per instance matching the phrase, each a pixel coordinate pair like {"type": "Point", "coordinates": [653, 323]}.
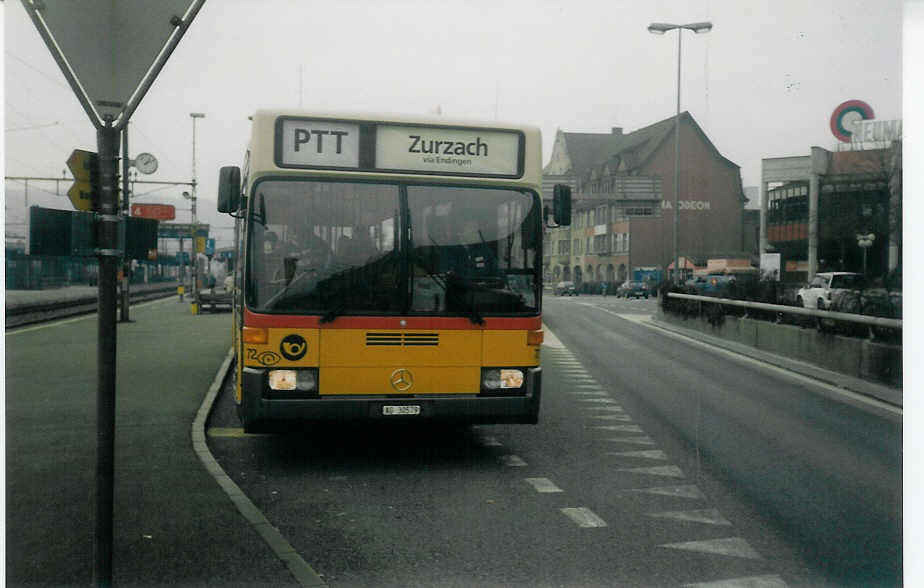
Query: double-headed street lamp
{"type": "Point", "coordinates": [659, 28]}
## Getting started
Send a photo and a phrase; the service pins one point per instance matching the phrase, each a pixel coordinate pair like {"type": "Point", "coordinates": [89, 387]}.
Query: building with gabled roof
{"type": "Point", "coordinates": [623, 192]}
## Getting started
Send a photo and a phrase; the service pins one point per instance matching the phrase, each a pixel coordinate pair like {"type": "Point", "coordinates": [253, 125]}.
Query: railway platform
{"type": "Point", "coordinates": [173, 524]}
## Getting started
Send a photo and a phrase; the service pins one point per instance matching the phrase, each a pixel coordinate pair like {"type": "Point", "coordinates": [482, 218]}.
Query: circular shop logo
{"type": "Point", "coordinates": [293, 347]}
{"type": "Point", "coordinates": [401, 380]}
{"type": "Point", "coordinates": [845, 115]}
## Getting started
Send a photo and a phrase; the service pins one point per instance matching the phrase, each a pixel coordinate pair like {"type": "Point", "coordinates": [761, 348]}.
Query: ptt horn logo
{"type": "Point", "coordinates": [293, 347]}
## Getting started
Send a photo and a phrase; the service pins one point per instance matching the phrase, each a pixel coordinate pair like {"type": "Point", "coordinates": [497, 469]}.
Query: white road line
{"type": "Point", "coordinates": [647, 454]}
{"type": "Point", "coordinates": [612, 417]}
{"type": "Point", "coordinates": [584, 517]}
{"type": "Point", "coordinates": [549, 339]}
{"type": "Point", "coordinates": [771, 581]}
{"type": "Point", "coordinates": [709, 516]}
{"type": "Point", "coordinates": [666, 471]}
{"type": "Point", "coordinates": [605, 408]}
{"type": "Point", "coordinates": [732, 547]}
{"type": "Point", "coordinates": [597, 400]}
{"type": "Point", "coordinates": [633, 440]}
{"type": "Point", "coordinates": [620, 428]}
{"type": "Point", "coordinates": [543, 485]}
{"type": "Point", "coordinates": [512, 461]}
{"type": "Point", "coordinates": [490, 442]}
{"type": "Point", "coordinates": [685, 491]}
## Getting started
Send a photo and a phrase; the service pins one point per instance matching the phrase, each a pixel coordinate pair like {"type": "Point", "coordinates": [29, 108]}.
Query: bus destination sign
{"type": "Point", "coordinates": [398, 148]}
{"type": "Point", "coordinates": [441, 150]}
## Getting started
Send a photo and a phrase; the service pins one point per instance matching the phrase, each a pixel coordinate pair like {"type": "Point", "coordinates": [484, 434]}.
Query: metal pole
{"type": "Point", "coordinates": [677, 278]}
{"type": "Point", "coordinates": [127, 263]}
{"type": "Point", "coordinates": [194, 253]}
{"type": "Point", "coordinates": [108, 233]}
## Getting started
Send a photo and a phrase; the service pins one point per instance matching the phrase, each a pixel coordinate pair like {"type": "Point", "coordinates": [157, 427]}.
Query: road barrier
{"type": "Point", "coordinates": [862, 357]}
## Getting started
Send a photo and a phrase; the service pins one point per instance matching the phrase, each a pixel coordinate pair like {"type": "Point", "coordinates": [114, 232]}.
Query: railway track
{"type": "Point", "coordinates": [43, 311]}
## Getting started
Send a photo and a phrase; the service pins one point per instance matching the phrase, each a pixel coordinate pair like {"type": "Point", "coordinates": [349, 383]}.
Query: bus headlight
{"type": "Point", "coordinates": [501, 379]}
{"type": "Point", "coordinates": [300, 380]}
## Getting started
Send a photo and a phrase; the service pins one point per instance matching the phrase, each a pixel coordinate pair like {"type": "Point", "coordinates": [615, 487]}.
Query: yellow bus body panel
{"type": "Point", "coordinates": [508, 348]}
{"type": "Point", "coordinates": [345, 381]}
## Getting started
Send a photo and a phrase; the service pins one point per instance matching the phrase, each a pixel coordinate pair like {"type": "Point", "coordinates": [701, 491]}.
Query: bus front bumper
{"type": "Point", "coordinates": [260, 407]}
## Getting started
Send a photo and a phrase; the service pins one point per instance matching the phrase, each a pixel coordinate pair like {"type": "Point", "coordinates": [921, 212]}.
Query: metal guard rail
{"type": "Point", "coordinates": [873, 321]}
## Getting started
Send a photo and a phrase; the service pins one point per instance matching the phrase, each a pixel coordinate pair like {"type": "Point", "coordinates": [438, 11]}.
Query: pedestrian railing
{"type": "Point", "coordinates": [871, 321]}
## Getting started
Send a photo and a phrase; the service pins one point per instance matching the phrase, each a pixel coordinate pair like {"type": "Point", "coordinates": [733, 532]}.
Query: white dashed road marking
{"type": "Point", "coordinates": [648, 454]}
{"type": "Point", "coordinates": [772, 581]}
{"type": "Point", "coordinates": [512, 461]}
{"type": "Point", "coordinates": [709, 516]}
{"type": "Point", "coordinates": [667, 471]}
{"type": "Point", "coordinates": [686, 491]}
{"type": "Point", "coordinates": [584, 517]}
{"type": "Point", "coordinates": [633, 440]}
{"type": "Point", "coordinates": [732, 547]}
{"type": "Point", "coordinates": [621, 428]}
{"type": "Point", "coordinates": [543, 485]}
{"type": "Point", "coordinates": [611, 417]}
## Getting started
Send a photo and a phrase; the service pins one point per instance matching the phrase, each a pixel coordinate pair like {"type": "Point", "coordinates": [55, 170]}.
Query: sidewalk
{"type": "Point", "coordinates": [173, 524]}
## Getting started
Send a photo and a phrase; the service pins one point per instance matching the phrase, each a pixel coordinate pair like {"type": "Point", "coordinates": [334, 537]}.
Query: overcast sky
{"type": "Point", "coordinates": [762, 84]}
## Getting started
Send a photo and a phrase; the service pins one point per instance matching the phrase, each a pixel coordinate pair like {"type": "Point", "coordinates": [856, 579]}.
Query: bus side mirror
{"type": "Point", "coordinates": [229, 189]}
{"type": "Point", "coordinates": [561, 204]}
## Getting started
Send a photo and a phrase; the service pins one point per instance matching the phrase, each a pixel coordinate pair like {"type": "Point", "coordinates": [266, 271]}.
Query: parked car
{"type": "Point", "coordinates": [632, 289]}
{"type": "Point", "coordinates": [710, 283]}
{"type": "Point", "coordinates": [820, 292]}
{"type": "Point", "coordinates": [565, 289]}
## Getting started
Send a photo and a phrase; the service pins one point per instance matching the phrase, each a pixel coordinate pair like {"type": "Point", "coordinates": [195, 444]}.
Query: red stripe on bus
{"type": "Point", "coordinates": [252, 319]}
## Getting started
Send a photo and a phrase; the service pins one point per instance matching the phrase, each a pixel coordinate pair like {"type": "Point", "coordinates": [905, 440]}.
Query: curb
{"type": "Point", "coordinates": [303, 573]}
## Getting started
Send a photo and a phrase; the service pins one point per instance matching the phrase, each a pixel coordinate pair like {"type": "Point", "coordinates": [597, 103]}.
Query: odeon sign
{"type": "Point", "coordinates": [688, 204]}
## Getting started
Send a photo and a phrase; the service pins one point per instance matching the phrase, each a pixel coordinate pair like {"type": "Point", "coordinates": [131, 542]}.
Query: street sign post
{"type": "Point", "coordinates": [110, 53]}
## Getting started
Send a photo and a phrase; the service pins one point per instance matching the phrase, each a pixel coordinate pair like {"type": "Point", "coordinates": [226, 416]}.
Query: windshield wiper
{"type": "Point", "coordinates": [472, 306]}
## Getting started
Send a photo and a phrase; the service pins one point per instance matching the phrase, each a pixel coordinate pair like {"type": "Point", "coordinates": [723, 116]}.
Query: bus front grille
{"type": "Point", "coordinates": [402, 339]}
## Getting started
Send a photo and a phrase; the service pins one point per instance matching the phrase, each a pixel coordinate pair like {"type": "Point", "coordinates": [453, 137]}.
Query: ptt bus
{"type": "Point", "coordinates": [387, 268]}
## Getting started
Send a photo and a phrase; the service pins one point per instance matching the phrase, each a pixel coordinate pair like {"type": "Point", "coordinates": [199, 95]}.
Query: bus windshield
{"type": "Point", "coordinates": [341, 248]}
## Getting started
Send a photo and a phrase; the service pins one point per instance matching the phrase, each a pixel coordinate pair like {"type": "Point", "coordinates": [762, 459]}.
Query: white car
{"type": "Point", "coordinates": [824, 286]}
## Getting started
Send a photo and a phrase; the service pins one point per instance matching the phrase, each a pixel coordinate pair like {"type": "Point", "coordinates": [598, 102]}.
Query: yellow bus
{"type": "Point", "coordinates": [387, 267]}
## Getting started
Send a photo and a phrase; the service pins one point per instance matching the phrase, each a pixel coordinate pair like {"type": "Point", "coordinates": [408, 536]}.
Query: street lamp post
{"type": "Point", "coordinates": [658, 28]}
{"type": "Point", "coordinates": [865, 242]}
{"type": "Point", "coordinates": [194, 253]}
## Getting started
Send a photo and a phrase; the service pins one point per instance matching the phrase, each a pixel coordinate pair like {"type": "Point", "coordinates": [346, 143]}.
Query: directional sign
{"type": "Point", "coordinates": [155, 211]}
{"type": "Point", "coordinates": [84, 165]}
{"type": "Point", "coordinates": [184, 230]}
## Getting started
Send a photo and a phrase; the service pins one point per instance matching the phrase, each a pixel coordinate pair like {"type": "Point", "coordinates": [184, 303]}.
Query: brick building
{"type": "Point", "coordinates": [623, 191]}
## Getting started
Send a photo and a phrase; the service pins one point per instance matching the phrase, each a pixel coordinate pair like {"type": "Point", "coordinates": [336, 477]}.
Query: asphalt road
{"type": "Point", "coordinates": [657, 462]}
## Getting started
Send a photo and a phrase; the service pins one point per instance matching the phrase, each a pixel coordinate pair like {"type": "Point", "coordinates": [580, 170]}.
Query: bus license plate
{"type": "Point", "coordinates": [404, 409]}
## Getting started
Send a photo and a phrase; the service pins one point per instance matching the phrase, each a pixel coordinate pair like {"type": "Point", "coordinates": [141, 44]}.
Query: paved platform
{"type": "Point", "coordinates": [173, 524]}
